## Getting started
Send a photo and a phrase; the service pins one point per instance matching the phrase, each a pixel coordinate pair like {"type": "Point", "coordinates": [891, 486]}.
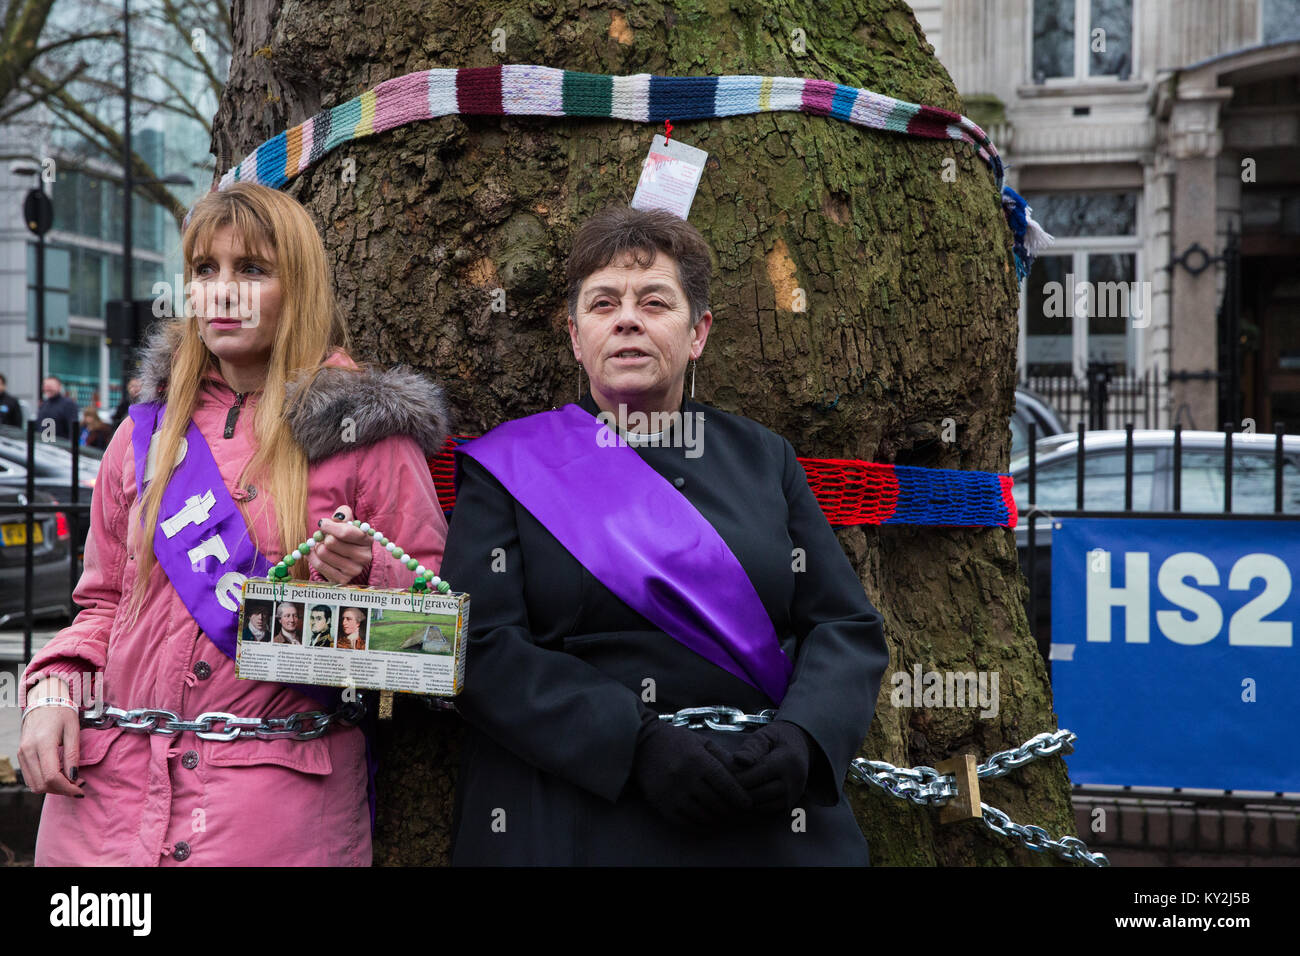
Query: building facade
{"type": "Point", "coordinates": [1156, 140]}
{"type": "Point", "coordinates": [84, 248]}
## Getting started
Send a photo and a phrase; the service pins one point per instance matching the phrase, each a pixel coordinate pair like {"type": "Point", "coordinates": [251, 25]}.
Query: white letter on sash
{"type": "Point", "coordinates": [214, 547]}
{"type": "Point", "coordinates": [151, 460]}
{"type": "Point", "coordinates": [229, 590]}
{"type": "Point", "coordinates": [196, 511]}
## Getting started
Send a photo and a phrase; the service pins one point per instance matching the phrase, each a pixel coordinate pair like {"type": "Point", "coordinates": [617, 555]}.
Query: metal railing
{"type": "Point", "coordinates": [76, 512]}
{"type": "Point", "coordinates": [1102, 399]}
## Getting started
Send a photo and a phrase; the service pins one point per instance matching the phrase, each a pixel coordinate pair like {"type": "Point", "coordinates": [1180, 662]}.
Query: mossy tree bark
{"type": "Point", "coordinates": [910, 318]}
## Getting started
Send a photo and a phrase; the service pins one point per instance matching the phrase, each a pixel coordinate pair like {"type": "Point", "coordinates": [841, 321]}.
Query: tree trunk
{"type": "Point", "coordinates": [910, 318]}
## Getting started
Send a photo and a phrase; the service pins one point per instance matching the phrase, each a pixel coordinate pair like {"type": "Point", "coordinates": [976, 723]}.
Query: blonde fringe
{"type": "Point", "coordinates": [310, 327]}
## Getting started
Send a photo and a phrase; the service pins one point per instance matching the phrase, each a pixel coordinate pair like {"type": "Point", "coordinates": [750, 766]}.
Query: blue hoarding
{"type": "Point", "coordinates": [1173, 651]}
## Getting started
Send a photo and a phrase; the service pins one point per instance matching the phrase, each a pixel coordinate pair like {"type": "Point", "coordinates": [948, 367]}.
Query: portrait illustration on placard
{"type": "Point", "coordinates": [288, 623]}
{"type": "Point", "coordinates": [352, 629]}
{"type": "Point", "coordinates": [257, 621]}
{"type": "Point", "coordinates": [321, 625]}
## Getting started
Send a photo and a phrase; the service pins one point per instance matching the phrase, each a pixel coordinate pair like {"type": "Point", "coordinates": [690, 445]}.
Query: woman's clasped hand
{"type": "Point", "coordinates": [691, 781]}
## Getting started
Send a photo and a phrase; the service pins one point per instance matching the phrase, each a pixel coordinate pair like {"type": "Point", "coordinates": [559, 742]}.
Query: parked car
{"type": "Point", "coordinates": [1202, 489]}
{"type": "Point", "coordinates": [51, 593]}
{"type": "Point", "coordinates": [53, 473]}
{"type": "Point", "coordinates": [1032, 408]}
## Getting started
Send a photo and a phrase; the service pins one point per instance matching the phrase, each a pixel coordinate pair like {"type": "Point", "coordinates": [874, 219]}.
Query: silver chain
{"type": "Point", "coordinates": [923, 786]}
{"type": "Point", "coordinates": [1041, 745]}
{"type": "Point", "coordinates": [926, 787]}
{"type": "Point", "coordinates": [305, 725]}
{"type": "Point", "coordinates": [718, 718]}
{"type": "Point", "coordinates": [1039, 840]}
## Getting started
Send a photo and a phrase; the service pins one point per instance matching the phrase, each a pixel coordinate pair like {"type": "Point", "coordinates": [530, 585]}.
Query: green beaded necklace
{"type": "Point", "coordinates": [423, 578]}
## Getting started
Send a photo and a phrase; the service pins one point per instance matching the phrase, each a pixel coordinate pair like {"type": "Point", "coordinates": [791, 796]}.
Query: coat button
{"type": "Point", "coordinates": [190, 760]}
{"type": "Point", "coordinates": [181, 852]}
{"type": "Point", "coordinates": [202, 670]}
{"type": "Point", "coordinates": [679, 482]}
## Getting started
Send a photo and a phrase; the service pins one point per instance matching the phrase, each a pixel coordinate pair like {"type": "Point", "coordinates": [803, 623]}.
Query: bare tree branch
{"type": "Point", "coordinates": [173, 16]}
{"type": "Point", "coordinates": [188, 109]}
{"type": "Point", "coordinates": [40, 95]}
{"type": "Point", "coordinates": [24, 21]}
{"type": "Point", "coordinates": [184, 108]}
{"type": "Point", "coordinates": [100, 133]}
{"type": "Point", "coordinates": [77, 38]}
{"type": "Point", "coordinates": [188, 64]}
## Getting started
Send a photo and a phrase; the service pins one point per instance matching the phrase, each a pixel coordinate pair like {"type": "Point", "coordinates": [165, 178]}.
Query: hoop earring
{"type": "Point", "coordinates": [692, 378]}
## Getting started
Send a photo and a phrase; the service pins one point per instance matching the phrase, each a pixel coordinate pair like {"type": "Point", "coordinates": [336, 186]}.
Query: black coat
{"type": "Point", "coordinates": [11, 411]}
{"type": "Point", "coordinates": [555, 664]}
{"type": "Point", "coordinates": [66, 415]}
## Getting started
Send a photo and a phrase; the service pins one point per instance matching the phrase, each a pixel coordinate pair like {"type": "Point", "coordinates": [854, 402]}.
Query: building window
{"type": "Point", "coordinates": [76, 364]}
{"type": "Point", "coordinates": [90, 205]}
{"type": "Point", "coordinates": [87, 285]}
{"type": "Point", "coordinates": [1279, 20]}
{"type": "Point", "coordinates": [1083, 303]}
{"type": "Point", "coordinates": [96, 277]}
{"type": "Point", "coordinates": [79, 203]}
{"type": "Point", "coordinates": [1078, 39]}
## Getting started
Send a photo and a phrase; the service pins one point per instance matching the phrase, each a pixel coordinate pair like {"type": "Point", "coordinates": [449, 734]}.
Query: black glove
{"type": "Point", "coordinates": [684, 775]}
{"type": "Point", "coordinates": [772, 766]}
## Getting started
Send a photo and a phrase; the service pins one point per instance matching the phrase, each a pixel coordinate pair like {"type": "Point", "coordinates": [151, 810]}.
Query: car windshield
{"type": "Point", "coordinates": [1103, 483]}
{"type": "Point", "coordinates": [1252, 482]}
{"type": "Point", "coordinates": [1202, 481]}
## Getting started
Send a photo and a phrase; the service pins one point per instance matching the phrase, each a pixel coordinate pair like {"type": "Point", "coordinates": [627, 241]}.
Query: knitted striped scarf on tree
{"type": "Point", "coordinates": [529, 90]}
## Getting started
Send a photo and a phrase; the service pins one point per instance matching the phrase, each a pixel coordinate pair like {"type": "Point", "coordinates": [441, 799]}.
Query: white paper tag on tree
{"type": "Point", "coordinates": [669, 177]}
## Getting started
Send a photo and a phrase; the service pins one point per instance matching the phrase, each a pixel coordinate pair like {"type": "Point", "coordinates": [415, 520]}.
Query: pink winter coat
{"type": "Point", "coordinates": [156, 800]}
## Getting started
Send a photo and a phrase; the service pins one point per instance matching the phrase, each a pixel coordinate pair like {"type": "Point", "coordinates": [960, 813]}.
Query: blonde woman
{"type": "Point", "coordinates": [254, 430]}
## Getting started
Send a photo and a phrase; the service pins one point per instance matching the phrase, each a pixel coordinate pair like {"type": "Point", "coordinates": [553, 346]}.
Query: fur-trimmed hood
{"type": "Point", "coordinates": [379, 402]}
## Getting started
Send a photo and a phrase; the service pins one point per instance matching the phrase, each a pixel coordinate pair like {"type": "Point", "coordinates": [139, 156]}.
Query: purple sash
{"type": "Point", "coordinates": [201, 540]}
{"type": "Point", "coordinates": [647, 543]}
{"type": "Point", "coordinates": [204, 546]}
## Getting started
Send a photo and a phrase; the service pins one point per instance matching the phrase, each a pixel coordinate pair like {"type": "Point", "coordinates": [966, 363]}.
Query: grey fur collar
{"type": "Point", "coordinates": [340, 408]}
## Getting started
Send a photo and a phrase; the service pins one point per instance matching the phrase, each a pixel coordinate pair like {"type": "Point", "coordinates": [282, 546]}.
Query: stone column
{"type": "Point", "coordinates": [1195, 138]}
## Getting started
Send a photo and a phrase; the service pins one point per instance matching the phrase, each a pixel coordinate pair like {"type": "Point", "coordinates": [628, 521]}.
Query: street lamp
{"type": "Point", "coordinates": [130, 321]}
{"type": "Point", "coordinates": [122, 321]}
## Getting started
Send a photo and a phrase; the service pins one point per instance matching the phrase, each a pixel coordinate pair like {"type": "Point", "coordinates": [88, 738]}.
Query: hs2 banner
{"type": "Point", "coordinates": [1173, 651]}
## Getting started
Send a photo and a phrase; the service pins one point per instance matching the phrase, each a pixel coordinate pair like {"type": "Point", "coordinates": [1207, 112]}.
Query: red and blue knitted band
{"type": "Point", "coordinates": [857, 492]}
